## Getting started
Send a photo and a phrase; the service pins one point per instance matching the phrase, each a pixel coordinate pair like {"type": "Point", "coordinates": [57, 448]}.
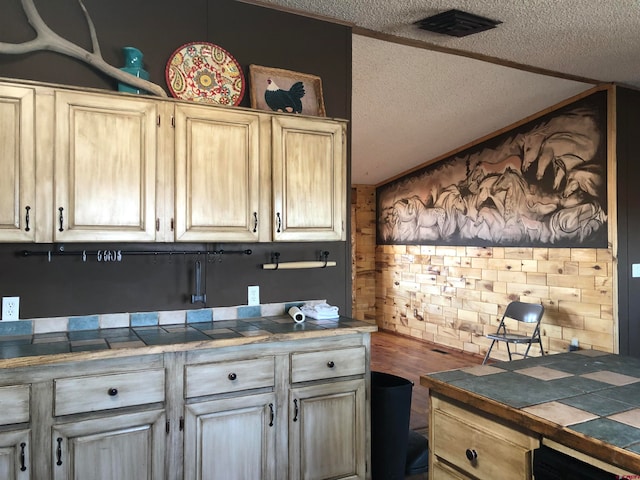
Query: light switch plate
{"type": "Point", "coordinates": [253, 295]}
{"type": "Point", "coordinates": [10, 308]}
{"type": "Point", "coordinates": [635, 270]}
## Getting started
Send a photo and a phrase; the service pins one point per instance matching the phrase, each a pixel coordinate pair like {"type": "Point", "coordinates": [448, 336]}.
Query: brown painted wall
{"type": "Point", "coordinates": [628, 175]}
{"type": "Point", "coordinates": [253, 35]}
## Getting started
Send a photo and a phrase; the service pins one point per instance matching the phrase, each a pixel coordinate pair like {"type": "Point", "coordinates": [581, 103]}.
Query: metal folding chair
{"type": "Point", "coordinates": [522, 312]}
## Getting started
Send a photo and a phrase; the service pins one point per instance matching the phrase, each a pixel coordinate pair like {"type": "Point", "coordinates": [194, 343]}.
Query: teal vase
{"type": "Point", "coordinates": [133, 65]}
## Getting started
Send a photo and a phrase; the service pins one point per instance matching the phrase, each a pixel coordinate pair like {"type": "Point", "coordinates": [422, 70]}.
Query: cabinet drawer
{"type": "Point", "coordinates": [327, 364]}
{"type": "Point", "coordinates": [440, 471]}
{"type": "Point", "coordinates": [234, 376]}
{"type": "Point", "coordinates": [101, 392]}
{"type": "Point", "coordinates": [500, 452]}
{"type": "Point", "coordinates": [15, 404]}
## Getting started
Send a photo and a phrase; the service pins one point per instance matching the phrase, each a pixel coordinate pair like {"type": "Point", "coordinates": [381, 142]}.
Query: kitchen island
{"type": "Point", "coordinates": [486, 421]}
{"type": "Point", "coordinates": [247, 398]}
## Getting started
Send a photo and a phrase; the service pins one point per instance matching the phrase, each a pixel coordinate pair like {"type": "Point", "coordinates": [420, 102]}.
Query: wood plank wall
{"type": "Point", "coordinates": [453, 296]}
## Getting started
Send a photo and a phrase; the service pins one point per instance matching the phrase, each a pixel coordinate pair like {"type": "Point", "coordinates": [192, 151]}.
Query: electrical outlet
{"type": "Point", "coordinates": [10, 308]}
{"type": "Point", "coordinates": [253, 295]}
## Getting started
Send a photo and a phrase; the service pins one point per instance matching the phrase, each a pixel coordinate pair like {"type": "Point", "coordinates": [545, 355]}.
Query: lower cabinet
{"type": "Point", "coordinates": [465, 444]}
{"type": "Point", "coordinates": [122, 447]}
{"type": "Point", "coordinates": [15, 455]}
{"type": "Point", "coordinates": [231, 438]}
{"type": "Point", "coordinates": [292, 410]}
{"type": "Point", "coordinates": [326, 432]}
{"type": "Point", "coordinates": [299, 414]}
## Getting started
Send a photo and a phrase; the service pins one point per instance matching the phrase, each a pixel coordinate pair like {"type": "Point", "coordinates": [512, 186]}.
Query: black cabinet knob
{"type": "Point", "coordinates": [330, 364]}
{"type": "Point", "coordinates": [112, 392]}
{"type": "Point", "coordinates": [471, 454]}
{"type": "Point", "coordinates": [232, 376]}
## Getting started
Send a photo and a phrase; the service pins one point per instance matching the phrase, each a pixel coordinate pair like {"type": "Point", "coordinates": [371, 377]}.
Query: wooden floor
{"type": "Point", "coordinates": [409, 358]}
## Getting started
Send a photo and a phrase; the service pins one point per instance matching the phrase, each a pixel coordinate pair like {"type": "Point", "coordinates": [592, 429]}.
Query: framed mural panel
{"type": "Point", "coordinates": [541, 184]}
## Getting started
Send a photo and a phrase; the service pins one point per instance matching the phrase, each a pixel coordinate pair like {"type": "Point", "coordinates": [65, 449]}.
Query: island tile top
{"type": "Point", "coordinates": [594, 393]}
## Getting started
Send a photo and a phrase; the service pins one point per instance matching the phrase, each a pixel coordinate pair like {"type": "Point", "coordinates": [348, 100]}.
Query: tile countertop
{"type": "Point", "coordinates": [586, 400]}
{"type": "Point", "coordinates": [48, 348]}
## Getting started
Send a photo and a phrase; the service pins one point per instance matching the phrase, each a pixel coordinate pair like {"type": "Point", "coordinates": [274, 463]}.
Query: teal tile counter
{"type": "Point", "coordinates": [586, 400]}
{"type": "Point", "coordinates": [146, 336]}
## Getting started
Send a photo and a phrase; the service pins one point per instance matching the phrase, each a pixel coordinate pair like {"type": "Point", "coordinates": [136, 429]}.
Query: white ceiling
{"type": "Point", "coordinates": [418, 95]}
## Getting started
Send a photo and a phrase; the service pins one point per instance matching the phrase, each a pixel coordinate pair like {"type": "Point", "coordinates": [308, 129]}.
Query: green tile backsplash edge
{"type": "Point", "coordinates": [134, 319]}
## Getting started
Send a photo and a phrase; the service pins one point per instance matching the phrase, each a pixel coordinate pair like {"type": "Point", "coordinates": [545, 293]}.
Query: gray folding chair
{"type": "Point", "coordinates": [522, 312]}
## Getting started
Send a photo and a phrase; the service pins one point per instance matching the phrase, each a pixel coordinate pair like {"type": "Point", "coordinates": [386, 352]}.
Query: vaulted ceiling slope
{"type": "Point", "coordinates": [418, 95]}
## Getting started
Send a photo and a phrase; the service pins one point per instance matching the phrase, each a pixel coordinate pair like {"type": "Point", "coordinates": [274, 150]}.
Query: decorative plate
{"type": "Point", "coordinates": [206, 73]}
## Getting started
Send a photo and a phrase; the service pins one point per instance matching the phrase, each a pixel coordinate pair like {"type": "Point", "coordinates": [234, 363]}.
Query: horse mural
{"type": "Point", "coordinates": [540, 184]}
{"type": "Point", "coordinates": [564, 142]}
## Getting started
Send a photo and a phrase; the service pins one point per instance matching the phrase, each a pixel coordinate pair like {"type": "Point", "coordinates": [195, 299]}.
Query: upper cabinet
{"type": "Point", "coordinates": [106, 167]}
{"type": "Point", "coordinates": [309, 176]}
{"type": "Point", "coordinates": [105, 163]}
{"type": "Point", "coordinates": [17, 160]}
{"type": "Point", "coordinates": [217, 175]}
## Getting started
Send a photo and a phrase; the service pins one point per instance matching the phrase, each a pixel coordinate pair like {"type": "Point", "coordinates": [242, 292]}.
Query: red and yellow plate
{"type": "Point", "coordinates": [206, 73]}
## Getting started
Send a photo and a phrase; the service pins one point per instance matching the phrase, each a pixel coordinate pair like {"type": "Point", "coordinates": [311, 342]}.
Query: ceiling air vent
{"type": "Point", "coordinates": [457, 23]}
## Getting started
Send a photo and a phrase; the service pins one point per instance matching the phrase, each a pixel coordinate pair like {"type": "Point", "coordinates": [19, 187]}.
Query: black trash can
{"type": "Point", "coordinates": [390, 411]}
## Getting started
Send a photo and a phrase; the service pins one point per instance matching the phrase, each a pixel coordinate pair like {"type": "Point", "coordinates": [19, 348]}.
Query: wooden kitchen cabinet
{"type": "Point", "coordinates": [327, 433]}
{"type": "Point", "coordinates": [106, 167]}
{"type": "Point", "coordinates": [466, 444]}
{"type": "Point", "coordinates": [231, 438]}
{"type": "Point", "coordinates": [109, 444]}
{"type": "Point", "coordinates": [309, 179]}
{"type": "Point", "coordinates": [234, 435]}
{"type": "Point", "coordinates": [105, 163]}
{"type": "Point", "coordinates": [294, 409]}
{"type": "Point", "coordinates": [217, 175]}
{"type": "Point", "coordinates": [15, 438]}
{"type": "Point", "coordinates": [327, 426]}
{"type": "Point", "coordinates": [15, 455]}
{"type": "Point", "coordinates": [117, 446]}
{"type": "Point", "coordinates": [299, 413]}
{"type": "Point", "coordinates": [17, 161]}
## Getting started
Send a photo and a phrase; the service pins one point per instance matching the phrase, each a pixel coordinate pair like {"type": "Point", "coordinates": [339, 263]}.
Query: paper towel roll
{"type": "Point", "coordinates": [296, 314]}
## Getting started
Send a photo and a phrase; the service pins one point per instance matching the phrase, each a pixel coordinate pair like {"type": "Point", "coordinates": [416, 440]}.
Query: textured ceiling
{"type": "Point", "coordinates": [418, 95]}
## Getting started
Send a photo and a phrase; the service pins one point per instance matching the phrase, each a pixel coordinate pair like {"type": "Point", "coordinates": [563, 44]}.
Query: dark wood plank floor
{"type": "Point", "coordinates": [409, 358]}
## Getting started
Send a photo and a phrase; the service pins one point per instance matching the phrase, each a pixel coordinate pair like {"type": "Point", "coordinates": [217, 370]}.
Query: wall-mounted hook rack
{"type": "Point", "coordinates": [109, 255]}
{"type": "Point", "coordinates": [277, 265]}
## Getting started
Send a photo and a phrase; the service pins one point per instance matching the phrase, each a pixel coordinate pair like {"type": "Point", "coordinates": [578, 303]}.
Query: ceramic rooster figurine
{"type": "Point", "coordinates": [288, 101]}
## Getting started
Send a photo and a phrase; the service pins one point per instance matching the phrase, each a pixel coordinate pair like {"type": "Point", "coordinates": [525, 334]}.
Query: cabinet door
{"type": "Point", "coordinates": [327, 431]}
{"type": "Point", "coordinates": [15, 455]}
{"type": "Point", "coordinates": [105, 168]}
{"type": "Point", "coordinates": [217, 170]}
{"type": "Point", "coordinates": [232, 438]}
{"type": "Point", "coordinates": [17, 161]}
{"type": "Point", "coordinates": [309, 176]}
{"type": "Point", "coordinates": [123, 447]}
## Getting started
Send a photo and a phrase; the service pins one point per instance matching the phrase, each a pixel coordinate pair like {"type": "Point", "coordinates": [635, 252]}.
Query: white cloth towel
{"type": "Point", "coordinates": [320, 310]}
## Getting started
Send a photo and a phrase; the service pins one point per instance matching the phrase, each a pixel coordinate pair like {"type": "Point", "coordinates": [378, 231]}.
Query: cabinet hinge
{"type": "Point", "coordinates": [173, 121]}
{"type": "Point", "coordinates": [172, 224]}
{"type": "Point", "coordinates": [157, 224]}
{"type": "Point", "coordinates": [158, 120]}
{"type": "Point", "coordinates": [168, 426]}
{"type": "Point", "coordinates": [181, 423]}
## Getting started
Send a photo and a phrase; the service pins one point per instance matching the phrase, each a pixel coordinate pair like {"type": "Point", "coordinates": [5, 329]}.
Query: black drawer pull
{"type": "Point", "coordinates": [472, 455]}
{"type": "Point", "coordinates": [26, 219]}
{"type": "Point", "coordinates": [59, 451]}
{"type": "Point", "coordinates": [112, 392]}
{"type": "Point", "coordinates": [23, 466]}
{"type": "Point", "coordinates": [232, 376]}
{"type": "Point", "coordinates": [273, 414]}
{"type": "Point", "coordinates": [330, 364]}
